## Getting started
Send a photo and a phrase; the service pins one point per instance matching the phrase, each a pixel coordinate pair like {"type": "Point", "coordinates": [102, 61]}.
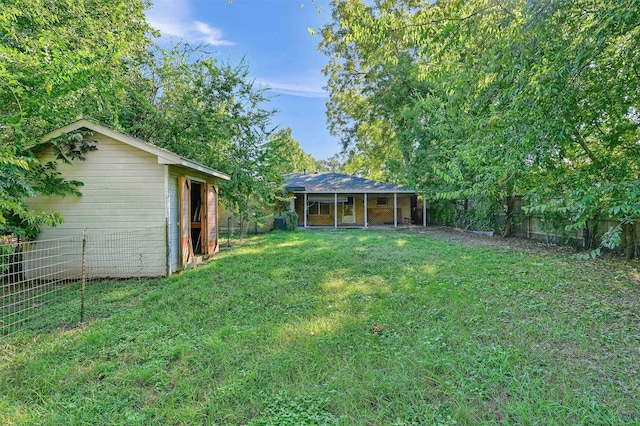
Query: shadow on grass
{"type": "Point", "coordinates": [344, 327]}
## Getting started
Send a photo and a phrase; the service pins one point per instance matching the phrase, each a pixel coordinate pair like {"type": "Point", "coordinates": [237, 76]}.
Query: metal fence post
{"type": "Point", "coordinates": [84, 273]}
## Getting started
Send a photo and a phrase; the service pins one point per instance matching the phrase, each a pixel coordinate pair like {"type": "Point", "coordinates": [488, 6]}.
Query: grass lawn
{"type": "Point", "coordinates": [341, 327]}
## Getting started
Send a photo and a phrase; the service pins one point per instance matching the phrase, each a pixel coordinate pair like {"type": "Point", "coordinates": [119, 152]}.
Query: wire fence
{"type": "Point", "coordinates": [35, 274]}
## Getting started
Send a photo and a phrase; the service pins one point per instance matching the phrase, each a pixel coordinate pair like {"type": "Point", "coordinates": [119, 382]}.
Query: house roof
{"type": "Point", "coordinates": [164, 156]}
{"type": "Point", "coordinates": [319, 182]}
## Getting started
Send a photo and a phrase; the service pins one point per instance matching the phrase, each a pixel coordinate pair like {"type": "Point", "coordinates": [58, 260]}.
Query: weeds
{"type": "Point", "coordinates": [346, 328]}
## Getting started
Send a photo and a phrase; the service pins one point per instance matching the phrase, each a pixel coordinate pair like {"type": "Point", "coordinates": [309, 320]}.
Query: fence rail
{"type": "Point", "coordinates": [35, 274]}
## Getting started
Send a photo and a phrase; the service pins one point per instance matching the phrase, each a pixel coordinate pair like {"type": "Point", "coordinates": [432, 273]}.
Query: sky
{"type": "Point", "coordinates": [273, 38]}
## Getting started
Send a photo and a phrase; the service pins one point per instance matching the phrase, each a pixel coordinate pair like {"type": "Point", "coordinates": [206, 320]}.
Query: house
{"type": "Point", "coordinates": [334, 199]}
{"type": "Point", "coordinates": [137, 194]}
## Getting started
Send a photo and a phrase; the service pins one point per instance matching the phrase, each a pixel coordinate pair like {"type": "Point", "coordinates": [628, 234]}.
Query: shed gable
{"type": "Point", "coordinates": [123, 189]}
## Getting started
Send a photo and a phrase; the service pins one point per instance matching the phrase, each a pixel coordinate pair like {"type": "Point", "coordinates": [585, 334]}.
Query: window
{"type": "Point", "coordinates": [382, 202]}
{"type": "Point", "coordinates": [319, 209]}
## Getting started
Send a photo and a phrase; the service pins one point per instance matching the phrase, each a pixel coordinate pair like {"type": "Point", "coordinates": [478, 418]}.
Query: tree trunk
{"type": "Point", "coordinates": [629, 237]}
{"type": "Point", "coordinates": [241, 227]}
{"type": "Point", "coordinates": [462, 221]}
{"type": "Point", "coordinates": [591, 230]}
{"type": "Point", "coordinates": [587, 236]}
{"type": "Point", "coordinates": [508, 225]}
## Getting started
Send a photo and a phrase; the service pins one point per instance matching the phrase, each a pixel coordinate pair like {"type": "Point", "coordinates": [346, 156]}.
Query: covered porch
{"type": "Point", "coordinates": [337, 200]}
{"type": "Point", "coordinates": [358, 210]}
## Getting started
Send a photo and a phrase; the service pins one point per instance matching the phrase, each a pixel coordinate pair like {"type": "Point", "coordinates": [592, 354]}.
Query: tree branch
{"type": "Point", "coordinates": [438, 21]}
{"type": "Point", "coordinates": [580, 141]}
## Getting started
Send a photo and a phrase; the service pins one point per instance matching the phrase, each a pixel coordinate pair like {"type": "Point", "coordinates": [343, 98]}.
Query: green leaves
{"type": "Point", "coordinates": [213, 113]}
{"type": "Point", "coordinates": [60, 60]}
{"type": "Point", "coordinates": [480, 98]}
{"type": "Point", "coordinates": [284, 154]}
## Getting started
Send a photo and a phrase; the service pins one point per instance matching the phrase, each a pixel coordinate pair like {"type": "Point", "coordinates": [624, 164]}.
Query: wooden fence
{"type": "Point", "coordinates": [534, 227]}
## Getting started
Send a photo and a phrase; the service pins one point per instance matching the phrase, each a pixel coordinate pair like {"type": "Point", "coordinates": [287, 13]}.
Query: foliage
{"type": "Point", "coordinates": [64, 58]}
{"type": "Point", "coordinates": [59, 60]}
{"type": "Point", "coordinates": [292, 219]}
{"type": "Point", "coordinates": [334, 164]}
{"type": "Point", "coordinates": [283, 410]}
{"type": "Point", "coordinates": [286, 155]}
{"type": "Point", "coordinates": [482, 215]}
{"type": "Point", "coordinates": [364, 327]}
{"type": "Point", "coordinates": [493, 99]}
{"type": "Point", "coordinates": [446, 213]}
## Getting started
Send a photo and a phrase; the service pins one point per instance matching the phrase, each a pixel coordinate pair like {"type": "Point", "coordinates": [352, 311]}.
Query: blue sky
{"type": "Point", "coordinates": [273, 37]}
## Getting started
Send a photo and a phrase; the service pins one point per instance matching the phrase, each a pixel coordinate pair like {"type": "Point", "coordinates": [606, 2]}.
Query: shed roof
{"type": "Point", "coordinates": [164, 156]}
{"type": "Point", "coordinates": [336, 182]}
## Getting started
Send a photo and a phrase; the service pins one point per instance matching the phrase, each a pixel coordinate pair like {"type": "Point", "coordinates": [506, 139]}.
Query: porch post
{"type": "Point", "coordinates": [335, 209]}
{"type": "Point", "coordinates": [304, 211]}
{"type": "Point", "coordinates": [395, 209]}
{"type": "Point", "coordinates": [366, 224]}
{"type": "Point", "coordinates": [424, 210]}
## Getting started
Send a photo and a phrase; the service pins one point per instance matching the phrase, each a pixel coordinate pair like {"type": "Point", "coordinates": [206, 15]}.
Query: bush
{"type": "Point", "coordinates": [292, 219]}
{"type": "Point", "coordinates": [482, 215]}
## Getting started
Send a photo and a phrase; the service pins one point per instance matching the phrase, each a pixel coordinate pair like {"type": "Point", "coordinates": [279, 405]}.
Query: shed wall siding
{"type": "Point", "coordinates": [174, 221]}
{"type": "Point", "coordinates": [124, 190]}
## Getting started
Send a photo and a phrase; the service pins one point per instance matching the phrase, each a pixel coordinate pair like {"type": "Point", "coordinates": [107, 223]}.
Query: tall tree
{"type": "Point", "coordinates": [286, 155]}
{"type": "Point", "coordinates": [508, 98]}
{"type": "Point", "coordinates": [58, 60]}
{"type": "Point", "coordinates": [212, 113]}
{"type": "Point", "coordinates": [333, 164]}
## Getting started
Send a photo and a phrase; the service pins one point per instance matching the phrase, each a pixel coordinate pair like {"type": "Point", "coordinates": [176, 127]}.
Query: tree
{"type": "Point", "coordinates": [59, 60]}
{"type": "Point", "coordinates": [495, 99]}
{"type": "Point", "coordinates": [333, 164]}
{"type": "Point", "coordinates": [286, 155]}
{"type": "Point", "coordinates": [211, 113]}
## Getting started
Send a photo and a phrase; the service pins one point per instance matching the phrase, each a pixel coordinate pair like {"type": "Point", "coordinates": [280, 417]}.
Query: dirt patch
{"type": "Point", "coordinates": [607, 263]}
{"type": "Point", "coordinates": [473, 239]}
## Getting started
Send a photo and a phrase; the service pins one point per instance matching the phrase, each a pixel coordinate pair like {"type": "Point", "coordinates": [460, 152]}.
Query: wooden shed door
{"type": "Point", "coordinates": [186, 247]}
{"type": "Point", "coordinates": [211, 234]}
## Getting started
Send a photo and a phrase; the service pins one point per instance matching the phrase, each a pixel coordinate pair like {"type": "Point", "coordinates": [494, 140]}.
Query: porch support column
{"type": "Point", "coordinates": [335, 210]}
{"type": "Point", "coordinates": [366, 204]}
{"type": "Point", "coordinates": [304, 211]}
{"type": "Point", "coordinates": [395, 209]}
{"type": "Point", "coordinates": [424, 210]}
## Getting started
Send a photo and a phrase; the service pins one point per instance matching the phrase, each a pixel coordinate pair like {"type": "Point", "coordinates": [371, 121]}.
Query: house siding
{"type": "Point", "coordinates": [124, 191]}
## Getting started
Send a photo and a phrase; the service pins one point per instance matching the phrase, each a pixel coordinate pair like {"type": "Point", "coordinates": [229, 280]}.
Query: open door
{"type": "Point", "coordinates": [186, 246]}
{"type": "Point", "coordinates": [349, 211]}
{"type": "Point", "coordinates": [198, 220]}
{"type": "Point", "coordinates": [211, 217]}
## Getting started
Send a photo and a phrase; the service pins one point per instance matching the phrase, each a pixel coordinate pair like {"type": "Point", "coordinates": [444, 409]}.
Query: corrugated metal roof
{"type": "Point", "coordinates": [337, 182]}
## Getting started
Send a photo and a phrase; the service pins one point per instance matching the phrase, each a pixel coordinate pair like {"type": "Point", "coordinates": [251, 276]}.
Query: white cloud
{"type": "Point", "coordinates": [210, 34]}
{"type": "Point", "coordinates": [174, 18]}
{"type": "Point", "coordinates": [306, 87]}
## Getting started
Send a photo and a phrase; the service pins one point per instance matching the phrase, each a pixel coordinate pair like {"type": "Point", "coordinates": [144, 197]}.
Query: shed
{"type": "Point", "coordinates": [335, 199]}
{"type": "Point", "coordinates": [134, 193]}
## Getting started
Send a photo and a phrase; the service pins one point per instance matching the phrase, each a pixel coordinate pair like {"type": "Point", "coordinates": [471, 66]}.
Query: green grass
{"type": "Point", "coordinates": [346, 328]}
